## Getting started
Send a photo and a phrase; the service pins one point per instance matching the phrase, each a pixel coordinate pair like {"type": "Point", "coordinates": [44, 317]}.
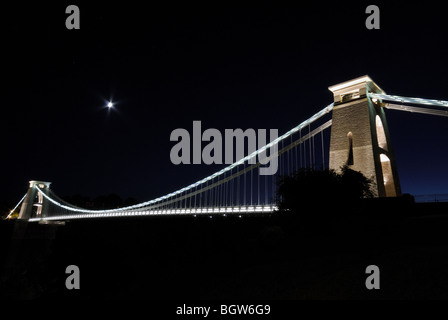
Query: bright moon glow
{"type": "Point", "coordinates": [110, 104]}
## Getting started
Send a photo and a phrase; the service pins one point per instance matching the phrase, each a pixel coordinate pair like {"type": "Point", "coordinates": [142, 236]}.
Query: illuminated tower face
{"type": "Point", "coordinates": [33, 205]}
{"type": "Point", "coordinates": [360, 137]}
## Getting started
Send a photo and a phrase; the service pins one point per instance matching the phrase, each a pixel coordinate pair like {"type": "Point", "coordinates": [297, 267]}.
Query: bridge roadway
{"type": "Point", "coordinates": [185, 211]}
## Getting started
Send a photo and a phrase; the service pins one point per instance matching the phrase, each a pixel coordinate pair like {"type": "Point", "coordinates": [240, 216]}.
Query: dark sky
{"type": "Point", "coordinates": [254, 66]}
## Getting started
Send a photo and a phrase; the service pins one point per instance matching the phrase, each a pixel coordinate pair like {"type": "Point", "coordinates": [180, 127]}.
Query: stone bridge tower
{"type": "Point", "coordinates": [33, 205]}
{"type": "Point", "coordinates": [360, 136]}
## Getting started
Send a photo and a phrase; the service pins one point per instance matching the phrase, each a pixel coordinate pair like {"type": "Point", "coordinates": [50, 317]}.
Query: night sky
{"type": "Point", "coordinates": [254, 66]}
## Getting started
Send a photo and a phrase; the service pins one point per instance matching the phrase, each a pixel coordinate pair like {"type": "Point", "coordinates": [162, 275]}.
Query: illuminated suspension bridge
{"type": "Point", "coordinates": [239, 189]}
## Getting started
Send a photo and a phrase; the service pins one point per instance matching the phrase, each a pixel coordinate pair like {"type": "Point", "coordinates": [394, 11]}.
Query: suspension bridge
{"type": "Point", "coordinates": [359, 138]}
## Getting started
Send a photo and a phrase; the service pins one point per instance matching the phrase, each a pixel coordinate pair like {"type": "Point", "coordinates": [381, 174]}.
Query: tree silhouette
{"type": "Point", "coordinates": [111, 201]}
{"type": "Point", "coordinates": [324, 192]}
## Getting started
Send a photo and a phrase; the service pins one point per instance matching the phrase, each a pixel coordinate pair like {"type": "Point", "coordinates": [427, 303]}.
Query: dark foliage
{"type": "Point", "coordinates": [322, 191]}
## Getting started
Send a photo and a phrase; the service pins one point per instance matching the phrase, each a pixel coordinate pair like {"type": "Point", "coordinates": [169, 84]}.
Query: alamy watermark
{"type": "Point", "coordinates": [234, 147]}
{"type": "Point", "coordinates": [72, 281]}
{"type": "Point", "coordinates": [373, 280]}
{"type": "Point", "coordinates": [72, 21]}
{"type": "Point", "coordinates": [373, 20]}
